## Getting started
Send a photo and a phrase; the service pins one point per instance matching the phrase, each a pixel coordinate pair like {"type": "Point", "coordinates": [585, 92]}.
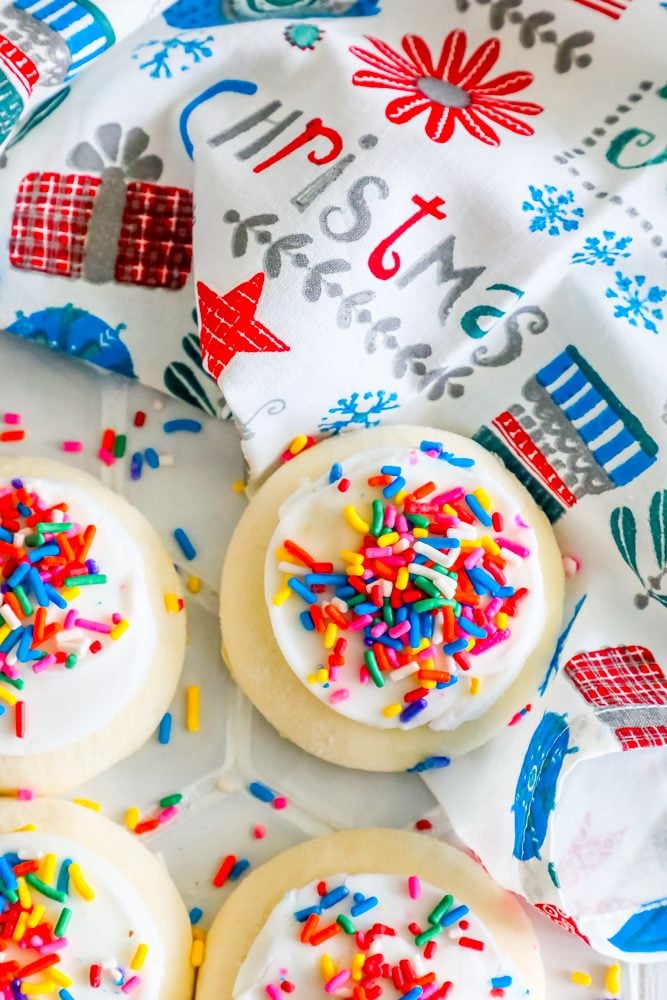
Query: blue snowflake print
{"type": "Point", "coordinates": [359, 411]}
{"type": "Point", "coordinates": [553, 211]}
{"type": "Point", "coordinates": [605, 249]}
{"type": "Point", "coordinates": [635, 302]}
{"type": "Point", "coordinates": [185, 50]}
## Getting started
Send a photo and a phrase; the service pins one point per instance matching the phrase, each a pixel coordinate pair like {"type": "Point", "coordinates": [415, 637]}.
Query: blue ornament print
{"type": "Point", "coordinates": [645, 931]}
{"type": "Point", "coordinates": [553, 211]}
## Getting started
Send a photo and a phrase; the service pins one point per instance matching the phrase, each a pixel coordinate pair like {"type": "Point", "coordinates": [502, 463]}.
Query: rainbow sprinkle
{"type": "Point", "coordinates": [44, 561]}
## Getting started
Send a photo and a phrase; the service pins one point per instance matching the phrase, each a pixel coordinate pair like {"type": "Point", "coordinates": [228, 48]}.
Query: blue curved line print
{"type": "Point", "coordinates": [77, 333]}
{"type": "Point", "coordinates": [645, 931]}
{"type": "Point", "coordinates": [222, 87]}
{"type": "Point", "coordinates": [554, 663]}
{"type": "Point", "coordinates": [209, 13]}
{"type": "Point", "coordinates": [535, 795]}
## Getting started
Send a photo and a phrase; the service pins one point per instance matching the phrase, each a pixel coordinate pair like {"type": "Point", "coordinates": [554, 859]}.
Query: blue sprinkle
{"type": "Point", "coordinates": [333, 897]}
{"type": "Point", "coordinates": [152, 458]}
{"type": "Point", "coordinates": [427, 625]}
{"type": "Point", "coordinates": [431, 446]}
{"type": "Point", "coordinates": [471, 628]}
{"type": "Point", "coordinates": [261, 792]}
{"type": "Point", "coordinates": [363, 905]}
{"type": "Point", "coordinates": [239, 868]}
{"type": "Point", "coordinates": [171, 426]}
{"type": "Point", "coordinates": [455, 647]}
{"type": "Point", "coordinates": [55, 597]}
{"type": "Point", "coordinates": [391, 470]}
{"type": "Point", "coordinates": [365, 608]}
{"type": "Point", "coordinates": [196, 913]}
{"type": "Point", "coordinates": [505, 592]}
{"type": "Point", "coordinates": [22, 509]}
{"type": "Point", "coordinates": [18, 573]}
{"type": "Point", "coordinates": [23, 651]}
{"type": "Point", "coordinates": [386, 640]}
{"type": "Point", "coordinates": [401, 614]}
{"type": "Point", "coordinates": [441, 543]}
{"type": "Point", "coordinates": [6, 536]}
{"type": "Point", "coordinates": [185, 545]}
{"type": "Point", "coordinates": [50, 549]}
{"type": "Point", "coordinates": [440, 685]}
{"type": "Point", "coordinates": [302, 915]}
{"type": "Point", "coordinates": [412, 994]}
{"type": "Point", "coordinates": [458, 913]}
{"type": "Point", "coordinates": [413, 709]}
{"type": "Point", "coordinates": [307, 621]}
{"type": "Point", "coordinates": [2, 710]}
{"type": "Point", "coordinates": [135, 466]}
{"type": "Point", "coordinates": [328, 579]}
{"type": "Point", "coordinates": [477, 509]}
{"type": "Point", "coordinates": [415, 630]}
{"type": "Point", "coordinates": [63, 876]}
{"type": "Point", "coordinates": [430, 764]}
{"type": "Point", "coordinates": [164, 731]}
{"type": "Point", "coordinates": [483, 581]}
{"type": "Point", "coordinates": [501, 982]}
{"type": "Point", "coordinates": [336, 472]}
{"type": "Point", "coordinates": [10, 641]}
{"type": "Point", "coordinates": [299, 587]}
{"type": "Point", "coordinates": [38, 589]}
{"type": "Point", "coordinates": [394, 488]}
{"type": "Point", "coordinates": [345, 592]}
{"type": "Point", "coordinates": [461, 463]}
{"type": "Point", "coordinates": [7, 875]}
{"type": "Point", "coordinates": [65, 995]}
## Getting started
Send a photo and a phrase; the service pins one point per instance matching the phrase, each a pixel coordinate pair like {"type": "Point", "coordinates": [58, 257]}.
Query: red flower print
{"type": "Point", "coordinates": [449, 90]}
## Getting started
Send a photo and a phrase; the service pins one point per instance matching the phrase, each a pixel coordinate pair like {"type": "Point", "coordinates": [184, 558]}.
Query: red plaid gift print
{"type": "Point", "coordinates": [619, 675]}
{"type": "Point", "coordinates": [155, 243]}
{"type": "Point", "coordinates": [50, 221]}
{"type": "Point", "coordinates": [640, 737]}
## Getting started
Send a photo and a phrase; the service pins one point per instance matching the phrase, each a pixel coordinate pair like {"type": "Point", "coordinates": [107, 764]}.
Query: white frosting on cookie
{"type": "Point", "coordinates": [105, 931]}
{"type": "Point", "coordinates": [278, 953]}
{"type": "Point", "coordinates": [66, 705]}
{"type": "Point", "coordinates": [313, 517]}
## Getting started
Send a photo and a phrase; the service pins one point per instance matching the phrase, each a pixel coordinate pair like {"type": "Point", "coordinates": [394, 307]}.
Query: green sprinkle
{"type": "Point", "coordinates": [120, 445]}
{"type": "Point", "coordinates": [344, 921]}
{"type": "Point", "coordinates": [353, 601]}
{"type": "Point", "coordinates": [86, 580]}
{"type": "Point", "coordinates": [63, 922]}
{"type": "Point", "coordinates": [170, 800]}
{"type": "Point", "coordinates": [387, 612]}
{"type": "Point", "coordinates": [441, 910]}
{"type": "Point", "coordinates": [378, 517]}
{"type": "Point", "coordinates": [46, 890]}
{"type": "Point", "coordinates": [10, 894]}
{"type": "Point", "coordinates": [429, 605]}
{"type": "Point", "coordinates": [427, 586]}
{"type": "Point", "coordinates": [373, 668]}
{"type": "Point", "coordinates": [71, 661]}
{"type": "Point", "coordinates": [427, 935]}
{"type": "Point", "coordinates": [16, 682]}
{"type": "Point", "coordinates": [54, 527]}
{"type": "Point", "coordinates": [418, 519]}
{"type": "Point", "coordinates": [34, 541]}
{"type": "Point", "coordinates": [23, 600]}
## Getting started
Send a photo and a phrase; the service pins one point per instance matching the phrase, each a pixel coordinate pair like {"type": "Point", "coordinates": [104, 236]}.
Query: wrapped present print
{"type": "Point", "coordinates": [207, 13]}
{"type": "Point", "coordinates": [18, 76]}
{"type": "Point", "coordinates": [111, 225]}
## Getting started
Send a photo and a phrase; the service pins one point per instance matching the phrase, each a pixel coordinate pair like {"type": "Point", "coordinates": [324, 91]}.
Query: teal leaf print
{"type": "Point", "coordinates": [624, 531]}
{"type": "Point", "coordinates": [658, 526]}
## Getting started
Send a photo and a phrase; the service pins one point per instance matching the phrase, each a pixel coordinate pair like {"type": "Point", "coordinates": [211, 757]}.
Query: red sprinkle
{"type": "Point", "coordinates": [343, 485]}
{"type": "Point", "coordinates": [473, 943]}
{"type": "Point", "coordinates": [146, 826]}
{"type": "Point", "coordinates": [19, 719]}
{"type": "Point", "coordinates": [96, 976]}
{"type": "Point", "coordinates": [259, 832]}
{"type": "Point", "coordinates": [139, 418]}
{"type": "Point", "coordinates": [280, 802]}
{"type": "Point", "coordinates": [224, 871]}
{"type": "Point", "coordinates": [12, 435]}
{"type": "Point", "coordinates": [423, 824]}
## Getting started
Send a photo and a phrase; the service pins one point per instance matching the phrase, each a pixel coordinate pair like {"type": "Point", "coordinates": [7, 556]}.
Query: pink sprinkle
{"type": "Point", "coordinates": [571, 565]}
{"type": "Point", "coordinates": [336, 696]}
{"type": "Point", "coordinates": [70, 618]}
{"type": "Point", "coordinates": [259, 832]}
{"type": "Point", "coordinates": [334, 673]}
{"type": "Point", "coordinates": [12, 418]}
{"type": "Point", "coordinates": [401, 524]}
{"type": "Point", "coordinates": [106, 456]}
{"type": "Point", "coordinates": [414, 887]}
{"type": "Point", "coordinates": [377, 553]}
{"type": "Point", "coordinates": [495, 604]}
{"type": "Point", "coordinates": [520, 521]}
{"type": "Point", "coordinates": [93, 626]}
{"type": "Point", "coordinates": [425, 654]}
{"type": "Point", "coordinates": [359, 623]}
{"type": "Point", "coordinates": [25, 794]}
{"type": "Point", "coordinates": [448, 496]}
{"type": "Point", "coordinates": [390, 516]}
{"type": "Point", "coordinates": [116, 618]}
{"type": "Point", "coordinates": [56, 945]}
{"type": "Point", "coordinates": [43, 664]}
{"type": "Point", "coordinates": [131, 984]}
{"type": "Point", "coordinates": [364, 676]}
{"type": "Point", "coordinates": [367, 574]}
{"type": "Point", "coordinates": [72, 446]}
{"type": "Point", "coordinates": [519, 550]}
{"type": "Point", "coordinates": [272, 991]}
{"type": "Point", "coordinates": [475, 556]}
{"type": "Point", "coordinates": [337, 981]}
{"type": "Point", "coordinates": [10, 671]}
{"type": "Point", "coordinates": [167, 814]}
{"type": "Point", "coordinates": [398, 630]}
{"type": "Point", "coordinates": [280, 802]}
{"type": "Point", "coordinates": [392, 657]}
{"type": "Point", "coordinates": [379, 629]}
{"type": "Point", "coordinates": [483, 644]}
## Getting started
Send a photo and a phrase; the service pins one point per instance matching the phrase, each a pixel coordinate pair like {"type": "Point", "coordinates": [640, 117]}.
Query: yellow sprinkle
{"type": "Point", "coordinates": [328, 967]}
{"type": "Point", "coordinates": [581, 978]}
{"type": "Point", "coordinates": [470, 543]}
{"type": "Point", "coordinates": [474, 685]}
{"type": "Point", "coordinates": [357, 966]}
{"type": "Point", "coordinates": [88, 804]}
{"type": "Point", "coordinates": [330, 635]}
{"type": "Point", "coordinates": [428, 664]}
{"type": "Point", "coordinates": [59, 977]}
{"type": "Point", "coordinates": [21, 925]}
{"type": "Point", "coordinates": [612, 980]}
{"type": "Point", "coordinates": [399, 497]}
{"type": "Point", "coordinates": [298, 444]}
{"type": "Point", "coordinates": [132, 817]}
{"type": "Point", "coordinates": [282, 595]}
{"type": "Point", "coordinates": [311, 678]}
{"type": "Point", "coordinates": [483, 498]}
{"type": "Point", "coordinates": [139, 957]}
{"type": "Point", "coordinates": [28, 828]}
{"type": "Point", "coordinates": [356, 522]}
{"type": "Point", "coordinates": [489, 545]}
{"type": "Point", "coordinates": [391, 710]}
{"type": "Point", "coordinates": [39, 989]}
{"type": "Point", "coordinates": [70, 593]}
{"type": "Point", "coordinates": [47, 871]}
{"type": "Point", "coordinates": [193, 584]}
{"type": "Point", "coordinates": [238, 486]}
{"type": "Point", "coordinates": [388, 539]}
{"type": "Point", "coordinates": [171, 603]}
{"type": "Point", "coordinates": [402, 578]}
{"type": "Point", "coordinates": [420, 532]}
{"type": "Point", "coordinates": [501, 620]}
{"type": "Point", "coordinates": [282, 555]}
{"type": "Point", "coordinates": [356, 570]}
{"type": "Point", "coordinates": [192, 709]}
{"type": "Point", "coordinates": [197, 953]}
{"type": "Point", "coordinates": [322, 675]}
{"type": "Point", "coordinates": [79, 882]}
{"type": "Point", "coordinates": [352, 557]}
{"type": "Point", "coordinates": [119, 629]}
{"type": "Point", "coordinates": [35, 917]}
{"type": "Point", "coordinates": [448, 509]}
{"type": "Point", "coordinates": [429, 685]}
{"type": "Point", "coordinates": [4, 632]}
{"type": "Point", "coordinates": [424, 644]}
{"type": "Point", "coordinates": [8, 695]}
{"type": "Point", "coordinates": [25, 899]}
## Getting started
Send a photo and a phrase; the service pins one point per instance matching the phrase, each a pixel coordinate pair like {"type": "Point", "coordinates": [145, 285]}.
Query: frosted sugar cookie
{"type": "Point", "coordinates": [371, 913]}
{"type": "Point", "coordinates": [389, 596]}
{"type": "Point", "coordinates": [91, 635]}
{"type": "Point", "coordinates": [87, 910]}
